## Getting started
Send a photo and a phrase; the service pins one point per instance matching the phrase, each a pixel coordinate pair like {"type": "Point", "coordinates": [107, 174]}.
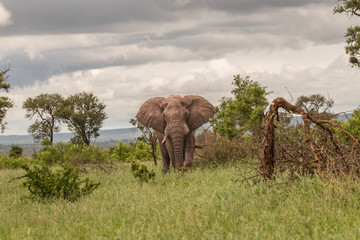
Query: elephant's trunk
{"type": "Point", "coordinates": [178, 154]}
{"type": "Point", "coordinates": [177, 137]}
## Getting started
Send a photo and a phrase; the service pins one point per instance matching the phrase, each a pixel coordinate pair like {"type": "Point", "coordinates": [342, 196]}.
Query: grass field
{"type": "Point", "coordinates": [201, 204]}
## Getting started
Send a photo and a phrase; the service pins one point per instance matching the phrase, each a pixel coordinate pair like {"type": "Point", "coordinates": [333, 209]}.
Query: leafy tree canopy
{"type": "Point", "coordinates": [352, 125]}
{"type": "Point", "coordinates": [315, 104]}
{"type": "Point", "coordinates": [351, 8]}
{"type": "Point", "coordinates": [84, 114]}
{"type": "Point", "coordinates": [47, 108]}
{"type": "Point", "coordinates": [15, 151]}
{"type": "Point", "coordinates": [5, 102]}
{"type": "Point", "coordinates": [244, 111]}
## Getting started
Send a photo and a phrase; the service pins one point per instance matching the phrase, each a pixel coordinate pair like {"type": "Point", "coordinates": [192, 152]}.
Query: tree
{"type": "Point", "coordinates": [84, 114]}
{"type": "Point", "coordinates": [148, 136]}
{"type": "Point", "coordinates": [244, 111]}
{"type": "Point", "coordinates": [47, 108]}
{"type": "Point", "coordinates": [5, 102]}
{"type": "Point", "coordinates": [15, 151]}
{"type": "Point", "coordinates": [353, 124]}
{"type": "Point", "coordinates": [315, 104]}
{"type": "Point", "coordinates": [351, 8]}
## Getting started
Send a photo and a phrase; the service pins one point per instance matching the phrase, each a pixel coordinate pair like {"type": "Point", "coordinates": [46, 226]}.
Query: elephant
{"type": "Point", "coordinates": [175, 120]}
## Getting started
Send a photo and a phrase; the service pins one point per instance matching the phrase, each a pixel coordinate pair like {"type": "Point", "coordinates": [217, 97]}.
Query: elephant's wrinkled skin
{"type": "Point", "coordinates": [175, 120]}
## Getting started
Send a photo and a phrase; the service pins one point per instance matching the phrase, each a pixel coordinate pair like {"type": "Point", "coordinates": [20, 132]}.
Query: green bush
{"type": "Point", "coordinates": [142, 151]}
{"type": "Point", "coordinates": [141, 172]}
{"type": "Point", "coordinates": [122, 152]}
{"type": "Point", "coordinates": [52, 154]}
{"type": "Point", "coordinates": [125, 152]}
{"type": "Point", "coordinates": [65, 183]}
{"type": "Point", "coordinates": [352, 126]}
{"type": "Point", "coordinates": [71, 153]}
{"type": "Point", "coordinates": [83, 154]}
{"type": "Point", "coordinates": [7, 162]}
{"type": "Point", "coordinates": [15, 151]}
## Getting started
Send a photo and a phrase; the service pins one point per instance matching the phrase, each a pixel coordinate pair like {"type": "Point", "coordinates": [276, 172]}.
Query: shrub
{"type": "Point", "coordinates": [7, 162]}
{"type": "Point", "coordinates": [46, 142]}
{"type": "Point", "coordinates": [65, 183]}
{"type": "Point", "coordinates": [141, 172]}
{"type": "Point", "coordinates": [142, 151]}
{"type": "Point", "coordinates": [122, 152]}
{"type": "Point", "coordinates": [219, 149]}
{"type": "Point", "coordinates": [74, 154]}
{"type": "Point", "coordinates": [324, 147]}
{"type": "Point", "coordinates": [15, 151]}
{"type": "Point", "coordinates": [52, 154]}
{"type": "Point", "coordinates": [83, 154]}
{"type": "Point", "coordinates": [139, 151]}
{"type": "Point", "coordinates": [352, 125]}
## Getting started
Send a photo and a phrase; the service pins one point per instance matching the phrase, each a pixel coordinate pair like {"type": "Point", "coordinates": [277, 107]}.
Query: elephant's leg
{"type": "Point", "coordinates": [164, 153]}
{"type": "Point", "coordinates": [189, 149]}
{"type": "Point", "coordinates": [170, 152]}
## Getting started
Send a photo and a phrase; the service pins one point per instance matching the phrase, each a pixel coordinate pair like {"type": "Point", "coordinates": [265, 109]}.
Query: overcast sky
{"type": "Point", "coordinates": [126, 51]}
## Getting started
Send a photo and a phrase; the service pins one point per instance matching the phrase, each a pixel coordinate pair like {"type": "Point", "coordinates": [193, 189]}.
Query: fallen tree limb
{"type": "Point", "coordinates": [319, 153]}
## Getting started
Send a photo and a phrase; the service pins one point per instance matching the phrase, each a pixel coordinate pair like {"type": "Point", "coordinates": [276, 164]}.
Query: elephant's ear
{"type": "Point", "coordinates": [200, 111]}
{"type": "Point", "coordinates": [150, 114]}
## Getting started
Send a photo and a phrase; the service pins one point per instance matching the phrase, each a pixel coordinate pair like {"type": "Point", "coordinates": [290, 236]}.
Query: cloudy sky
{"type": "Point", "coordinates": [126, 51]}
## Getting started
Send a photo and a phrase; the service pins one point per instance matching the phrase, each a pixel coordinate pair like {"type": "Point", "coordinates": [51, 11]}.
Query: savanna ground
{"type": "Point", "coordinates": [205, 203]}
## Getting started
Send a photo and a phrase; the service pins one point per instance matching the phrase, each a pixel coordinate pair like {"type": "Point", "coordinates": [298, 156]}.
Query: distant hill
{"type": "Point", "coordinates": [107, 138]}
{"type": "Point", "coordinates": [341, 117]}
{"type": "Point", "coordinates": [105, 135]}
{"type": "Point", "coordinates": [344, 116]}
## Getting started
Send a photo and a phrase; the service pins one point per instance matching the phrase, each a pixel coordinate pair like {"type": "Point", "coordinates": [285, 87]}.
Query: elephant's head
{"type": "Point", "coordinates": [175, 117]}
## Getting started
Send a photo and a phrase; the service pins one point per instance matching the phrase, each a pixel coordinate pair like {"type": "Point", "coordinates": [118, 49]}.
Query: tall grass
{"type": "Point", "coordinates": [199, 204]}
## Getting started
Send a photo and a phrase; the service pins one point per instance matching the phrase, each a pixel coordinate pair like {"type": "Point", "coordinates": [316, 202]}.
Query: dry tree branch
{"type": "Point", "coordinates": [320, 154]}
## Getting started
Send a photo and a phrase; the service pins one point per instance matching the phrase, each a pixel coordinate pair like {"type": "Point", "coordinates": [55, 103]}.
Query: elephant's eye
{"type": "Point", "coordinates": [187, 114]}
{"type": "Point", "coordinates": [183, 104]}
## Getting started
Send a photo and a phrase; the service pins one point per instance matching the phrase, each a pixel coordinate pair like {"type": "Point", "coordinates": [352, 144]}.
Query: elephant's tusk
{"type": "Point", "coordinates": [164, 140]}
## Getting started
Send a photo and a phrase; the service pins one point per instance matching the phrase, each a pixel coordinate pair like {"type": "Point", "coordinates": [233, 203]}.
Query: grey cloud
{"type": "Point", "coordinates": [237, 6]}
{"type": "Point", "coordinates": [90, 16]}
{"type": "Point", "coordinates": [26, 71]}
{"type": "Point", "coordinates": [68, 16]}
{"type": "Point", "coordinates": [337, 80]}
{"type": "Point", "coordinates": [252, 25]}
{"type": "Point", "coordinates": [218, 44]}
{"type": "Point", "coordinates": [277, 28]}
{"type": "Point", "coordinates": [244, 5]}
